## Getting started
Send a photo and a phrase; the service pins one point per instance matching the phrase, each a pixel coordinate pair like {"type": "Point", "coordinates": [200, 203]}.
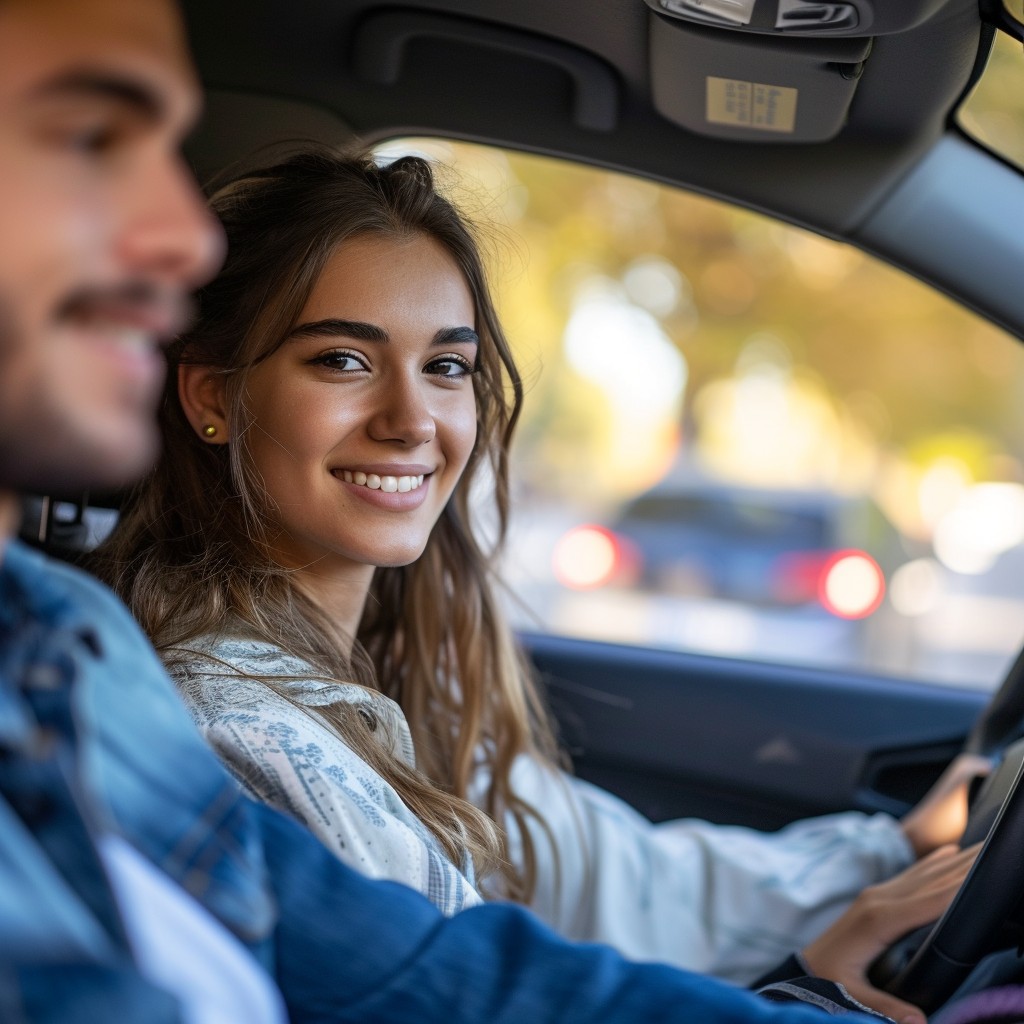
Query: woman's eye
{"type": "Point", "coordinates": [343, 361]}
{"type": "Point", "coordinates": [450, 366]}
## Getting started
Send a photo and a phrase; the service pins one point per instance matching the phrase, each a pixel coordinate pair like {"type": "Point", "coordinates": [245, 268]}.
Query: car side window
{"type": "Point", "coordinates": [743, 439]}
{"type": "Point", "coordinates": [993, 113]}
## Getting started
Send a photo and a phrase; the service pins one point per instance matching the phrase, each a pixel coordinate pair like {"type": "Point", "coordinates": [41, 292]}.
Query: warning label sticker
{"type": "Point", "coordinates": [770, 108]}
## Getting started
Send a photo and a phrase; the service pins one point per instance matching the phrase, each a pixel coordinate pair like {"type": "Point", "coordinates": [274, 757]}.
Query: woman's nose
{"type": "Point", "coordinates": [403, 416]}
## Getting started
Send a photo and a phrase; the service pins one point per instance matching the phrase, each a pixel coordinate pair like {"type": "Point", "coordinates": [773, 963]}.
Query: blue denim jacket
{"type": "Point", "coordinates": [93, 739]}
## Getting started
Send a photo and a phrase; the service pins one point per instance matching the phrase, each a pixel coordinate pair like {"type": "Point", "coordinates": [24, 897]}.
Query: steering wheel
{"type": "Point", "coordinates": [926, 973]}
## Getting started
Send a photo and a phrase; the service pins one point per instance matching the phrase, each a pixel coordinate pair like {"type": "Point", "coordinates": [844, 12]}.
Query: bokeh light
{"type": "Point", "coordinates": [852, 585]}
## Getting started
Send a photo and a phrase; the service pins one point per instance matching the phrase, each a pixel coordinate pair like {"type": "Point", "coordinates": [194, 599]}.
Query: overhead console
{"type": "Point", "coordinates": [803, 17]}
{"type": "Point", "coordinates": [767, 70]}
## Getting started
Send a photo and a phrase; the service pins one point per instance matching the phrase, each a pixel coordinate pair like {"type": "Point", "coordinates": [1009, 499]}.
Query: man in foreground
{"type": "Point", "coordinates": [137, 883]}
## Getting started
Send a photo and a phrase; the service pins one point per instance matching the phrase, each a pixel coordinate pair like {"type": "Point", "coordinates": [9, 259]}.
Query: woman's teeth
{"type": "Point", "coordinates": [389, 484]}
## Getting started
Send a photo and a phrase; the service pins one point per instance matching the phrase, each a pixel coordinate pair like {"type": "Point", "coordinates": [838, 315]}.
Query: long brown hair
{"type": "Point", "coordinates": [190, 555]}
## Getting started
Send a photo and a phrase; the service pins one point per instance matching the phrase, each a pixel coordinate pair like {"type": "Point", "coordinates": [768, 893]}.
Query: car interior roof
{"type": "Point", "coordinates": [452, 78]}
{"type": "Point", "coordinates": [591, 81]}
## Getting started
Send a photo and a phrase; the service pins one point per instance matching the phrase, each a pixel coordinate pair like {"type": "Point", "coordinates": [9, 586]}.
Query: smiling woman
{"type": "Point", "coordinates": [366, 384]}
{"type": "Point", "coordinates": [310, 369]}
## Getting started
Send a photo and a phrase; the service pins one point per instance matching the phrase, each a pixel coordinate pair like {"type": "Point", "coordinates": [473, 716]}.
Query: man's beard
{"type": "Point", "coordinates": [47, 445]}
{"type": "Point", "coordinates": [42, 448]}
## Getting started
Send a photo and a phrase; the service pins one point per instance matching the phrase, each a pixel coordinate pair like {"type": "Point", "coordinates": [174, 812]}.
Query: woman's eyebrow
{"type": "Point", "coordinates": [335, 328]}
{"type": "Point", "coordinates": [456, 336]}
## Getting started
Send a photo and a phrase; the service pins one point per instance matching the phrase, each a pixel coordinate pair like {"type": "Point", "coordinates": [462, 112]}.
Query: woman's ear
{"type": "Point", "coordinates": [201, 392]}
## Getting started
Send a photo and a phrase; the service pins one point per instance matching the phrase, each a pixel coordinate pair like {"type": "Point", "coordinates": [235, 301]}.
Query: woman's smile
{"type": "Point", "coordinates": [398, 492]}
{"type": "Point", "coordinates": [404, 479]}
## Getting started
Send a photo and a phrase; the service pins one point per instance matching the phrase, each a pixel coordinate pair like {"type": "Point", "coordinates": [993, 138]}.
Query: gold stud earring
{"type": "Point", "coordinates": [209, 430]}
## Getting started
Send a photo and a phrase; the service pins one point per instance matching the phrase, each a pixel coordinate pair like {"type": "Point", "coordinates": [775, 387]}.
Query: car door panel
{"type": "Point", "coordinates": [681, 735]}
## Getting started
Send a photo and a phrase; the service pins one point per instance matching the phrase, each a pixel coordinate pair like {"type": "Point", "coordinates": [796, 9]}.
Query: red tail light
{"type": "Point", "coordinates": [848, 584]}
{"type": "Point", "coordinates": [852, 585]}
{"type": "Point", "coordinates": [589, 556]}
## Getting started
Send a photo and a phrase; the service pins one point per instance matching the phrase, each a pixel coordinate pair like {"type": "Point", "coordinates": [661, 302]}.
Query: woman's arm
{"type": "Point", "coordinates": [727, 901]}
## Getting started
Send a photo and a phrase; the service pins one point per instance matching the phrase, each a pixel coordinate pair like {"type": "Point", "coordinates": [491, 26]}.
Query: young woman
{"type": "Point", "coordinates": [304, 560]}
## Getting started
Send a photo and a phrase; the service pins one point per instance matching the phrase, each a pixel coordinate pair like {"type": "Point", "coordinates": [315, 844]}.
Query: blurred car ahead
{"type": "Point", "coordinates": [763, 548]}
{"type": "Point", "coordinates": [694, 563]}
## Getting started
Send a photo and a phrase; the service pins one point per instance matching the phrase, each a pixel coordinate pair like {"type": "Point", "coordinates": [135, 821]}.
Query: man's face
{"type": "Point", "coordinates": [102, 234]}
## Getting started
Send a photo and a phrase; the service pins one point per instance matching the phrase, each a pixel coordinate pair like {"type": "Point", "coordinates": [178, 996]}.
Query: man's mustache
{"type": "Point", "coordinates": [164, 311]}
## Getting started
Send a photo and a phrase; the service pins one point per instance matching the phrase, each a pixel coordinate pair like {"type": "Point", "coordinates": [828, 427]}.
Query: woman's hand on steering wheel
{"type": "Point", "coordinates": [941, 815]}
{"type": "Point", "coordinates": [881, 914]}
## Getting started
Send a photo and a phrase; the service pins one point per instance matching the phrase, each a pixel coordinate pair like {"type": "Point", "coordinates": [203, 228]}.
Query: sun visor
{"type": "Point", "coordinates": [753, 87]}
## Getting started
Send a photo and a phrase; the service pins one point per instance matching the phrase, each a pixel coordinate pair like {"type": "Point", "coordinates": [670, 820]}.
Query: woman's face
{"type": "Point", "coordinates": [364, 418]}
